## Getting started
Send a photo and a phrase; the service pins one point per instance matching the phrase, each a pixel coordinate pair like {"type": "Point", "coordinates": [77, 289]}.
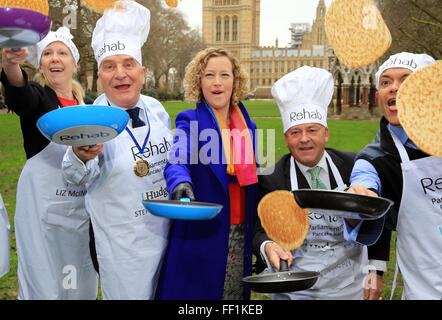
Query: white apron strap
{"type": "Point", "coordinates": [293, 178]}
{"type": "Point", "coordinates": [335, 172]}
{"type": "Point", "coordinates": [400, 147]}
{"type": "Point", "coordinates": [334, 169]}
{"type": "Point", "coordinates": [393, 286]}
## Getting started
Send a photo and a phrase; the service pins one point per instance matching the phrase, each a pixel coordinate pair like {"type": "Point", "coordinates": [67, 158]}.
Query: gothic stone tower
{"type": "Point", "coordinates": [234, 25]}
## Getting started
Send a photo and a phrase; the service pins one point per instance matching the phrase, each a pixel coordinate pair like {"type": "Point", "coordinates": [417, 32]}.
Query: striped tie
{"type": "Point", "coordinates": [316, 182]}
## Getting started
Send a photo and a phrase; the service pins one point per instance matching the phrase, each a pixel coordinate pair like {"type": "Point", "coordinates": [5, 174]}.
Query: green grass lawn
{"type": "Point", "coordinates": [345, 135]}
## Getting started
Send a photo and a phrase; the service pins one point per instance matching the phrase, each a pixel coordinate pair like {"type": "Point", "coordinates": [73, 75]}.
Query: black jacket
{"type": "Point", "coordinates": [280, 180]}
{"type": "Point", "coordinates": [30, 102]}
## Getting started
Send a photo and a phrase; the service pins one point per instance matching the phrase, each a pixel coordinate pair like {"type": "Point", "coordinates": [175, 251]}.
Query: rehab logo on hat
{"type": "Point", "coordinates": [303, 96]}
{"type": "Point", "coordinates": [122, 29]}
{"type": "Point", "coordinates": [407, 60]}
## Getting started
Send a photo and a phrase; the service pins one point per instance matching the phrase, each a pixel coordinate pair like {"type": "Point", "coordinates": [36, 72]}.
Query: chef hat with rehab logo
{"type": "Point", "coordinates": [303, 96]}
{"type": "Point", "coordinates": [410, 61]}
{"type": "Point", "coordinates": [122, 29]}
{"type": "Point", "coordinates": [62, 34]}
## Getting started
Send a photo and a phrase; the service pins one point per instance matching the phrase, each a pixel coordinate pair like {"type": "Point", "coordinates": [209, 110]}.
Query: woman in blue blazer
{"type": "Point", "coordinates": [207, 259]}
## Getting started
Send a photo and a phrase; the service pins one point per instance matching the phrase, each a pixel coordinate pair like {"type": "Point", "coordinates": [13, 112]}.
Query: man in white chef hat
{"type": "Point", "coordinates": [130, 242]}
{"type": "Point", "coordinates": [393, 167]}
{"type": "Point", "coordinates": [303, 97]}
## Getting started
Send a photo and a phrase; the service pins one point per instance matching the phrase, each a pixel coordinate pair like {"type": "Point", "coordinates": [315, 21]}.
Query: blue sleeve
{"type": "Point", "coordinates": [366, 232]}
{"type": "Point", "coordinates": [177, 169]}
{"type": "Point", "coordinates": [365, 174]}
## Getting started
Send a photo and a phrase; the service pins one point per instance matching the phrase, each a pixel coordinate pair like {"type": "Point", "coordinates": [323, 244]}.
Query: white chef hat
{"type": "Point", "coordinates": [303, 96]}
{"type": "Point", "coordinates": [122, 29]}
{"type": "Point", "coordinates": [62, 34]}
{"type": "Point", "coordinates": [411, 61]}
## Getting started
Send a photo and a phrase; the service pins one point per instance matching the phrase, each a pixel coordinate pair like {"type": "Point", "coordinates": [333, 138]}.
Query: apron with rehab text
{"type": "Point", "coordinates": [5, 239]}
{"type": "Point", "coordinates": [324, 246]}
{"type": "Point", "coordinates": [131, 242]}
{"type": "Point", "coordinates": [52, 232]}
{"type": "Point", "coordinates": [419, 227]}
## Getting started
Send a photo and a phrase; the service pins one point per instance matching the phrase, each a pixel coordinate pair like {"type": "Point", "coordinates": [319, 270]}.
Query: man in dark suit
{"type": "Point", "coordinates": [303, 97]}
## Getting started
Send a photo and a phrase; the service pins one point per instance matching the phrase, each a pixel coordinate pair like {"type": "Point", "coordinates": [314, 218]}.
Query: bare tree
{"type": "Point", "coordinates": [415, 25]}
{"type": "Point", "coordinates": [171, 42]}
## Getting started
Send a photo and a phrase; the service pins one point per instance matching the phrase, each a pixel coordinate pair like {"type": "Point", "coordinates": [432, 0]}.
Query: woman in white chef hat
{"type": "Point", "coordinates": [130, 242]}
{"type": "Point", "coordinates": [51, 224]}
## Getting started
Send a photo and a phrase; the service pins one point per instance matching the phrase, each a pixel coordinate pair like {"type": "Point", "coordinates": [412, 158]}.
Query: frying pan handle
{"type": "Point", "coordinates": [283, 265]}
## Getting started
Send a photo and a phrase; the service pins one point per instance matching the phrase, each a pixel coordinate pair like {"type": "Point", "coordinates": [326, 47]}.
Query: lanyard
{"type": "Point", "coordinates": [133, 137]}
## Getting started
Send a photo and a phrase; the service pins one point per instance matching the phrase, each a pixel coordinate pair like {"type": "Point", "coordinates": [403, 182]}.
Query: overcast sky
{"type": "Point", "coordinates": [276, 16]}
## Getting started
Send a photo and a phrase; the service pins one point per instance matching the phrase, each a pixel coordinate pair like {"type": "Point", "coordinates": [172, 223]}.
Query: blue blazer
{"type": "Point", "coordinates": [194, 266]}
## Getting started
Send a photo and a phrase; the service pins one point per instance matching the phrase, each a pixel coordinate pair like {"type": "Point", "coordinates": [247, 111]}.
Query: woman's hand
{"type": "Point", "coordinates": [12, 57]}
{"type": "Point", "coordinates": [11, 61]}
{"type": "Point", "coordinates": [85, 153]}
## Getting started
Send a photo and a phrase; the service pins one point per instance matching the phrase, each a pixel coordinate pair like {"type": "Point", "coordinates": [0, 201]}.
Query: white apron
{"type": "Point", "coordinates": [324, 246]}
{"type": "Point", "coordinates": [130, 242]}
{"type": "Point", "coordinates": [419, 227]}
{"type": "Point", "coordinates": [5, 239]}
{"type": "Point", "coordinates": [52, 232]}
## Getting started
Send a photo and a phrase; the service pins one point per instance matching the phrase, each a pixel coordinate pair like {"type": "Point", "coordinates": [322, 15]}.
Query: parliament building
{"type": "Point", "coordinates": [235, 25]}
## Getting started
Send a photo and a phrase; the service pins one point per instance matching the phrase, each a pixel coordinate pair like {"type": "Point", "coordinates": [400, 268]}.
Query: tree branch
{"type": "Point", "coordinates": [429, 50]}
{"type": "Point", "coordinates": [431, 23]}
{"type": "Point", "coordinates": [414, 3]}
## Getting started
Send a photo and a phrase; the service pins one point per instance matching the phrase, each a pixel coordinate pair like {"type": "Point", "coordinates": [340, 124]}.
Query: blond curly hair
{"type": "Point", "coordinates": [194, 71]}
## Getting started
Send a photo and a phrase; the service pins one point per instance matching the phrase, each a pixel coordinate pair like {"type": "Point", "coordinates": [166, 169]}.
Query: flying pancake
{"type": "Point", "coordinates": [99, 5]}
{"type": "Point", "coordinates": [284, 221]}
{"type": "Point", "coordinates": [419, 108]}
{"type": "Point", "coordinates": [357, 32]}
{"type": "Point", "coordinates": [36, 5]}
{"type": "Point", "coordinates": [172, 3]}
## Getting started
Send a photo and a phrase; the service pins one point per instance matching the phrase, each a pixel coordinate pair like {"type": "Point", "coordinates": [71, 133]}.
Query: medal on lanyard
{"type": "Point", "coordinates": [141, 167]}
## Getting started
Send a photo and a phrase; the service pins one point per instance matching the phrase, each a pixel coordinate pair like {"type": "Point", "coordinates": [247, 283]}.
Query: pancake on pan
{"type": "Point", "coordinates": [357, 32]}
{"type": "Point", "coordinates": [284, 221]}
{"type": "Point", "coordinates": [420, 109]}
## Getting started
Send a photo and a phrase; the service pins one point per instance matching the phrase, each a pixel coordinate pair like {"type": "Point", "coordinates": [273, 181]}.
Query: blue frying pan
{"type": "Point", "coordinates": [182, 209]}
{"type": "Point", "coordinates": [83, 125]}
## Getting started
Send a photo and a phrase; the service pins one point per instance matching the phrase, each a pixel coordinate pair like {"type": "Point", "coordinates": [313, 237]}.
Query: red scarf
{"type": "Point", "coordinates": [238, 149]}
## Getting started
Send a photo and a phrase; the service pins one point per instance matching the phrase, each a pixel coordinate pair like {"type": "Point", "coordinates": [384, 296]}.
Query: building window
{"type": "Point", "coordinates": [218, 29]}
{"type": "Point", "coordinates": [276, 66]}
{"type": "Point", "coordinates": [263, 67]}
{"type": "Point", "coordinates": [235, 28]}
{"type": "Point", "coordinates": [321, 64]}
{"type": "Point", "coordinates": [282, 67]}
{"type": "Point", "coordinates": [226, 28]}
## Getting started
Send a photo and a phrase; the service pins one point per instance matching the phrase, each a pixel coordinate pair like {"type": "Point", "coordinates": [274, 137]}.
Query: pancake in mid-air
{"type": "Point", "coordinates": [357, 32]}
{"type": "Point", "coordinates": [284, 221]}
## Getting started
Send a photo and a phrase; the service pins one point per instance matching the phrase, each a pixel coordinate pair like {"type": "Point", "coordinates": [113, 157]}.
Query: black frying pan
{"type": "Point", "coordinates": [282, 281]}
{"type": "Point", "coordinates": [289, 281]}
{"type": "Point", "coordinates": [343, 204]}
